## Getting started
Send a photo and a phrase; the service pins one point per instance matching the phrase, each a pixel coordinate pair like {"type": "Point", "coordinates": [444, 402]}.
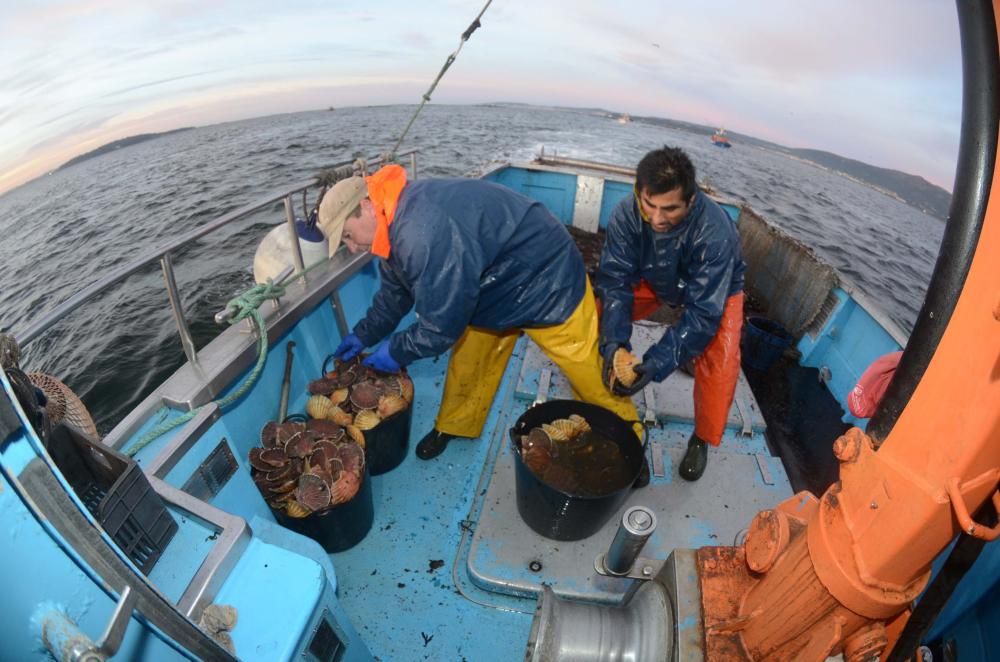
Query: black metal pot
{"type": "Point", "coordinates": [386, 443]}
{"type": "Point", "coordinates": [560, 515]}
{"type": "Point", "coordinates": [340, 527]}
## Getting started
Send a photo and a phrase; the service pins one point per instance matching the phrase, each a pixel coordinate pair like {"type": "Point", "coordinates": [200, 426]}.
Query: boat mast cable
{"type": "Point", "coordinates": [475, 25]}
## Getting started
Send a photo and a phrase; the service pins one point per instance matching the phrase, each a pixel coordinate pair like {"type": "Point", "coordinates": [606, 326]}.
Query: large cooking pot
{"type": "Point", "coordinates": [561, 515]}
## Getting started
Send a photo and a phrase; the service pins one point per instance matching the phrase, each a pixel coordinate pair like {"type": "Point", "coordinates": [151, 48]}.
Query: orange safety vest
{"type": "Point", "coordinates": [384, 189]}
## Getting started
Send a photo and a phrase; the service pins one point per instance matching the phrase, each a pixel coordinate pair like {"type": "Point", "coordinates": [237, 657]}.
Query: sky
{"type": "Point", "coordinates": [875, 81]}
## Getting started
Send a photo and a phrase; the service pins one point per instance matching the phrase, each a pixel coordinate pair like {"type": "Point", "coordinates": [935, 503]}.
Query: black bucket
{"type": "Point", "coordinates": [340, 527]}
{"type": "Point", "coordinates": [764, 341]}
{"type": "Point", "coordinates": [387, 442]}
{"type": "Point", "coordinates": [560, 515]}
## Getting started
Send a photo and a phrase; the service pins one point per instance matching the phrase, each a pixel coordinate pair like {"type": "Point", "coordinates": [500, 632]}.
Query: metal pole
{"type": "Point", "coordinates": [293, 233]}
{"type": "Point", "coordinates": [638, 523]}
{"type": "Point", "coordinates": [338, 314]}
{"type": "Point", "coordinates": [413, 165]}
{"type": "Point", "coordinates": [175, 305]}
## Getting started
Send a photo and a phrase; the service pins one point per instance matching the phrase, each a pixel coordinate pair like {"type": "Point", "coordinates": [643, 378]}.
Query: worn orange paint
{"type": "Point", "coordinates": [866, 549]}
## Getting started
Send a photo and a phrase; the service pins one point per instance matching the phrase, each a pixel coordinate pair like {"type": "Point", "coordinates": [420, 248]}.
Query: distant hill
{"type": "Point", "coordinates": [910, 189]}
{"type": "Point", "coordinates": [118, 144]}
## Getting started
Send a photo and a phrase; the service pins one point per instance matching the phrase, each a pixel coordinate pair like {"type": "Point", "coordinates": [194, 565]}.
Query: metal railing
{"type": "Point", "coordinates": [164, 255]}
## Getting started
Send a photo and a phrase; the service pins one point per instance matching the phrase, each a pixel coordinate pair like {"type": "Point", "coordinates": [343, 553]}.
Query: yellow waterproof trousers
{"type": "Point", "coordinates": [480, 356]}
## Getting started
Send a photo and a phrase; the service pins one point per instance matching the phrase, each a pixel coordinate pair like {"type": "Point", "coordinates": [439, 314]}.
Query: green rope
{"type": "Point", "coordinates": [242, 307]}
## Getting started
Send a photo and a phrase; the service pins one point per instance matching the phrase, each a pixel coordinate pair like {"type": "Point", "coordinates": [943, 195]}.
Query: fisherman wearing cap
{"type": "Point", "coordinates": [480, 264]}
{"type": "Point", "coordinates": [670, 243]}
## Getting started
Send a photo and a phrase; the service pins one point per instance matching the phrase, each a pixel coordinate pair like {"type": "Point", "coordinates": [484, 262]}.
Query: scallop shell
{"type": "Point", "coordinates": [312, 492]}
{"type": "Point", "coordinates": [364, 396]}
{"type": "Point", "coordinates": [256, 462]}
{"type": "Point", "coordinates": [286, 431]}
{"type": "Point", "coordinates": [406, 387]}
{"type": "Point", "coordinates": [391, 404]}
{"type": "Point", "coordinates": [285, 487]}
{"type": "Point", "coordinates": [323, 385]}
{"type": "Point", "coordinates": [345, 488]}
{"type": "Point", "coordinates": [324, 429]}
{"type": "Point", "coordinates": [269, 435]}
{"type": "Point", "coordinates": [318, 406]}
{"type": "Point", "coordinates": [624, 363]}
{"type": "Point", "coordinates": [555, 434]}
{"type": "Point", "coordinates": [300, 445]}
{"type": "Point", "coordinates": [340, 396]}
{"type": "Point", "coordinates": [366, 419]}
{"type": "Point", "coordinates": [295, 509]}
{"type": "Point", "coordinates": [345, 378]}
{"type": "Point", "coordinates": [274, 456]}
{"type": "Point", "coordinates": [355, 433]}
{"type": "Point", "coordinates": [566, 427]}
{"type": "Point", "coordinates": [388, 385]}
{"type": "Point", "coordinates": [581, 423]}
{"type": "Point", "coordinates": [281, 474]}
{"type": "Point", "coordinates": [340, 417]}
{"type": "Point", "coordinates": [347, 456]}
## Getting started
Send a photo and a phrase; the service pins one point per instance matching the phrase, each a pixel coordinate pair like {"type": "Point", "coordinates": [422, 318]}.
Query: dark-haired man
{"type": "Point", "coordinates": [670, 243]}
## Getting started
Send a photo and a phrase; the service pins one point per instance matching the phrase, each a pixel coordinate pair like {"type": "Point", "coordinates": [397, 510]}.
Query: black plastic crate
{"type": "Point", "coordinates": [117, 493]}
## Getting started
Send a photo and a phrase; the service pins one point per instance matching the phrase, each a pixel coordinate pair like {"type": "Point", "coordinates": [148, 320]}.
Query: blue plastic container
{"type": "Point", "coordinates": [764, 341]}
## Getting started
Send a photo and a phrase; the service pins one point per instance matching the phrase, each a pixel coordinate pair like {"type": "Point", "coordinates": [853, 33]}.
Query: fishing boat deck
{"type": "Point", "coordinates": [449, 560]}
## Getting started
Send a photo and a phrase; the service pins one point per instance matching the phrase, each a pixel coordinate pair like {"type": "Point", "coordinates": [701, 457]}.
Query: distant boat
{"type": "Point", "coordinates": [720, 139]}
{"type": "Point", "coordinates": [624, 119]}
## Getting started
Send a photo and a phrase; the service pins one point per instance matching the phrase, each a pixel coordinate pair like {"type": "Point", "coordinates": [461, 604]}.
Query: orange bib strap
{"type": "Point", "coordinates": [384, 189]}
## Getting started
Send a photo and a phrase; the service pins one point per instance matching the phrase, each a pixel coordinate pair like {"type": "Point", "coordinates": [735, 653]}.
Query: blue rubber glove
{"type": "Point", "coordinates": [381, 360]}
{"type": "Point", "coordinates": [348, 348]}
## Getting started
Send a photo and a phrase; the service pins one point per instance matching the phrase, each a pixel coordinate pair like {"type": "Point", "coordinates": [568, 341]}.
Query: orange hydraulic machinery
{"type": "Point", "coordinates": [838, 574]}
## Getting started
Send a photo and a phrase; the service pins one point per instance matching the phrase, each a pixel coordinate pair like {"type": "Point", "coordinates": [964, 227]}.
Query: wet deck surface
{"type": "Point", "coordinates": [440, 575]}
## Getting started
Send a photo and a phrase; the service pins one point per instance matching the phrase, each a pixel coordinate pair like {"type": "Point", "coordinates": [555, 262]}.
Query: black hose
{"type": "Point", "coordinates": [976, 161]}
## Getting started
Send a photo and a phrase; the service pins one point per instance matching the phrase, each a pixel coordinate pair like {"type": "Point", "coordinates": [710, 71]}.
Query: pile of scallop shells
{"type": "Point", "coordinates": [541, 446]}
{"type": "Point", "coordinates": [624, 363]}
{"type": "Point", "coordinates": [354, 395]}
{"type": "Point", "coordinates": [305, 468]}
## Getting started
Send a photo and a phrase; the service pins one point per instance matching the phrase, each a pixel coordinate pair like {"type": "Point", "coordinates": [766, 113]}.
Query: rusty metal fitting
{"type": "Point", "coordinates": [766, 540]}
{"type": "Point", "coordinates": [847, 447]}
{"type": "Point", "coordinates": [866, 644]}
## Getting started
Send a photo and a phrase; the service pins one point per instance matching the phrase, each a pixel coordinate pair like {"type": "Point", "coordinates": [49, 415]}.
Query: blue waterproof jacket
{"type": "Point", "coordinates": [470, 252]}
{"type": "Point", "coordinates": [697, 263]}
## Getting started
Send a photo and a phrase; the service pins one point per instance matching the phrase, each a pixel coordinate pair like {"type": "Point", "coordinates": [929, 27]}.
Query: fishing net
{"type": "Point", "coordinates": [785, 277]}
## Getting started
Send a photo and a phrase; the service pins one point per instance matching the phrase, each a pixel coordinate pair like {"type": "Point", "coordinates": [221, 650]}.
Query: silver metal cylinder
{"type": "Point", "coordinates": [638, 523]}
{"type": "Point", "coordinates": [573, 631]}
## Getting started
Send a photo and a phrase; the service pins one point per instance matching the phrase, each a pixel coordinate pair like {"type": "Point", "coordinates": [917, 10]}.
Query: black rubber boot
{"type": "Point", "coordinates": [695, 460]}
{"type": "Point", "coordinates": [642, 480]}
{"type": "Point", "coordinates": [433, 444]}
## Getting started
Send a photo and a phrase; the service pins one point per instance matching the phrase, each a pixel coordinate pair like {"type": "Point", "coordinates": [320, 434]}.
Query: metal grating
{"type": "Point", "coordinates": [212, 474]}
{"type": "Point", "coordinates": [325, 646]}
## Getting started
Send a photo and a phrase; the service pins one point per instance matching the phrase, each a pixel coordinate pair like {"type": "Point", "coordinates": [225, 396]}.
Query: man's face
{"type": "Point", "coordinates": [664, 210]}
{"type": "Point", "coordinates": [359, 231]}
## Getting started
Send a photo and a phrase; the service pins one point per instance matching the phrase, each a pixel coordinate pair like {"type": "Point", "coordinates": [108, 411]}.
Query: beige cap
{"type": "Point", "coordinates": [338, 202]}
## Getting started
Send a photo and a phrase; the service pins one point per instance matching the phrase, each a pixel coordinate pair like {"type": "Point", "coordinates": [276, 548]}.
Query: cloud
{"type": "Point", "coordinates": [877, 80]}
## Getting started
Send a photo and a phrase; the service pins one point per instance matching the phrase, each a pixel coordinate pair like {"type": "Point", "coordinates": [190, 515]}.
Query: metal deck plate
{"type": "Point", "coordinates": [673, 398]}
{"type": "Point", "coordinates": [708, 512]}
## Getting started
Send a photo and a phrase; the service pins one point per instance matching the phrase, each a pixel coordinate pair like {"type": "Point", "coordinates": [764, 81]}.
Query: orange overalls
{"type": "Point", "coordinates": [717, 368]}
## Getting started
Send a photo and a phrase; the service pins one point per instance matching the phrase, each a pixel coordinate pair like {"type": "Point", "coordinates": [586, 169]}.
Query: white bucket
{"type": "Point", "coordinates": [275, 253]}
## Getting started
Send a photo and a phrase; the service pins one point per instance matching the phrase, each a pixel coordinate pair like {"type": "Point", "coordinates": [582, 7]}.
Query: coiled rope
{"type": "Point", "coordinates": [475, 25]}
{"type": "Point", "coordinates": [247, 305]}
